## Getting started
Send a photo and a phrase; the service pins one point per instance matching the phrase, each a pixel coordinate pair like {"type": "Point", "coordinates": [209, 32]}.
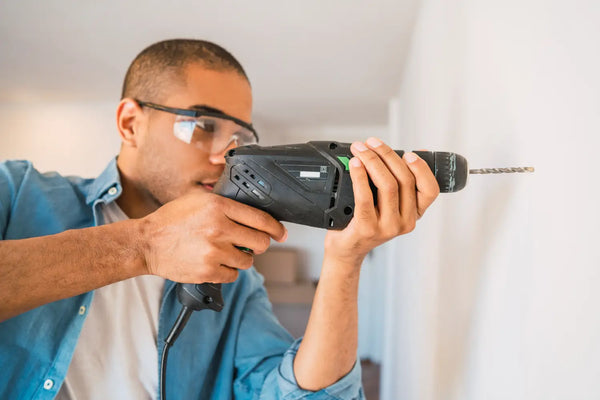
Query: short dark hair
{"type": "Point", "coordinates": [165, 61]}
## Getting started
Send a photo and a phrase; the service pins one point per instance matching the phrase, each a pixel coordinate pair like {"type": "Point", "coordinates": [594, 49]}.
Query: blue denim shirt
{"type": "Point", "coordinates": [242, 352]}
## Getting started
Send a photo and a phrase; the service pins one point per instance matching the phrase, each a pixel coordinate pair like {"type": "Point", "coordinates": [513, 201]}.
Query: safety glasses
{"type": "Point", "coordinates": [209, 130]}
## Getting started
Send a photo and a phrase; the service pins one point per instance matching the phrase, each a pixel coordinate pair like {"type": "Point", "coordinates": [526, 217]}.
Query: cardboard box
{"type": "Point", "coordinates": [278, 265]}
{"type": "Point", "coordinates": [294, 293]}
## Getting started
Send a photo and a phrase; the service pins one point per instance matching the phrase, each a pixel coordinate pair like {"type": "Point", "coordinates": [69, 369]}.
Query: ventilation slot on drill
{"type": "Point", "coordinates": [334, 191]}
{"type": "Point", "coordinates": [336, 181]}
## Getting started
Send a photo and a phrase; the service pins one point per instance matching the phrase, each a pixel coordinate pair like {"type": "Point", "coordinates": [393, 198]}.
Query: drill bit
{"type": "Point", "coordinates": [501, 170]}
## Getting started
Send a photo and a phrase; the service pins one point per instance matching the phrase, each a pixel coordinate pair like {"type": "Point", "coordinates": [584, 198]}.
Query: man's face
{"type": "Point", "coordinates": [166, 166]}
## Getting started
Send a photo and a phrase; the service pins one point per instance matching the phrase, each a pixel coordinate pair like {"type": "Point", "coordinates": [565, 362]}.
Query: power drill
{"type": "Point", "coordinates": [308, 184]}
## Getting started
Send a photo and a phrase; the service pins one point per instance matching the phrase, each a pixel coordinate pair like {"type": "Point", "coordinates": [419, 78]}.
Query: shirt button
{"type": "Point", "coordinates": [48, 384]}
{"type": "Point", "coordinates": [112, 191]}
{"type": "Point", "coordinates": [81, 310]}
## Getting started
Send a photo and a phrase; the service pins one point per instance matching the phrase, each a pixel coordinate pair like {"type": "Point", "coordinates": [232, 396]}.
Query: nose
{"type": "Point", "coordinates": [219, 158]}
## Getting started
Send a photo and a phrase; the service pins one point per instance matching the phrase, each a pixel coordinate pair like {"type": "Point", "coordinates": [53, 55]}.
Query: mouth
{"type": "Point", "coordinates": [207, 185]}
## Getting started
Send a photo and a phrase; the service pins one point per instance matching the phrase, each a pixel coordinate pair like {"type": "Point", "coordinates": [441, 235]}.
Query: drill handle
{"type": "Point", "coordinates": [201, 296]}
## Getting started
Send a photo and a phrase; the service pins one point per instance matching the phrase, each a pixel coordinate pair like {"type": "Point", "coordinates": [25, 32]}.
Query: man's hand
{"type": "Point", "coordinates": [405, 189]}
{"type": "Point", "coordinates": [192, 239]}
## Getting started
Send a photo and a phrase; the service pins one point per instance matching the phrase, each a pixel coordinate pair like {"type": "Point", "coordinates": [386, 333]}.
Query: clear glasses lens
{"type": "Point", "coordinates": [211, 134]}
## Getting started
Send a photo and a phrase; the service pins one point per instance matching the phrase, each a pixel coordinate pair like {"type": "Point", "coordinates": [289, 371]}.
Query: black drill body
{"type": "Point", "coordinates": [310, 183]}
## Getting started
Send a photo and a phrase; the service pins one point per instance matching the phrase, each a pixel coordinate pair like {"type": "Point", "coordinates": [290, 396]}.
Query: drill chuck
{"type": "Point", "coordinates": [450, 169]}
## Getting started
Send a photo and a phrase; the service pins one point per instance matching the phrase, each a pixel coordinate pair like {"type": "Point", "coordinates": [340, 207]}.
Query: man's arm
{"type": "Point", "coordinates": [328, 350]}
{"type": "Point", "coordinates": [41, 270]}
{"type": "Point", "coordinates": [189, 240]}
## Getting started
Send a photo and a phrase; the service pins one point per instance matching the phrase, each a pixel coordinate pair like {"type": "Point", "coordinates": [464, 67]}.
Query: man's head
{"type": "Point", "coordinates": [153, 72]}
{"type": "Point", "coordinates": [155, 161]}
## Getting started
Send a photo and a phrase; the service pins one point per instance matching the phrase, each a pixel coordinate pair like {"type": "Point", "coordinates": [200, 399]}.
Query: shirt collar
{"type": "Point", "coordinates": [107, 185]}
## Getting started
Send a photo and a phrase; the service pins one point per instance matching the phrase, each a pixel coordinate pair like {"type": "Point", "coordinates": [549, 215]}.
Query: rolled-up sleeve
{"type": "Point", "coordinates": [265, 357]}
{"type": "Point", "coordinates": [348, 387]}
{"type": "Point", "coordinates": [11, 177]}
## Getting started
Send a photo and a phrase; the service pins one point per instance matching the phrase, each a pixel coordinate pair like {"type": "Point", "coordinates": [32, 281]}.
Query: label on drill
{"type": "Point", "coordinates": [318, 172]}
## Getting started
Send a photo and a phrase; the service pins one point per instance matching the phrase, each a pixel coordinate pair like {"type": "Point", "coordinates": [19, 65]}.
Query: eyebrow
{"type": "Point", "coordinates": [204, 107]}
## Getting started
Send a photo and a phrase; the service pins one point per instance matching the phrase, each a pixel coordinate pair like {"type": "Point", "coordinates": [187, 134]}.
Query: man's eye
{"type": "Point", "coordinates": [207, 126]}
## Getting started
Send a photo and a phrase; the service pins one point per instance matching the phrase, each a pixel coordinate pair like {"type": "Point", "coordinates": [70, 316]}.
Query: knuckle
{"type": "Point", "coordinates": [386, 151]}
{"type": "Point", "coordinates": [213, 231]}
{"type": "Point", "coordinates": [369, 231]}
{"type": "Point", "coordinates": [390, 233]}
{"type": "Point", "coordinates": [392, 229]}
{"type": "Point", "coordinates": [231, 275]}
{"type": "Point", "coordinates": [389, 185]}
{"type": "Point", "coordinates": [410, 179]}
{"type": "Point", "coordinates": [361, 201]}
{"type": "Point", "coordinates": [242, 260]}
{"type": "Point", "coordinates": [363, 211]}
{"type": "Point", "coordinates": [203, 274]}
{"type": "Point", "coordinates": [409, 226]}
{"type": "Point", "coordinates": [214, 203]}
{"type": "Point", "coordinates": [262, 218]}
{"type": "Point", "coordinates": [212, 254]}
{"type": "Point", "coordinates": [429, 197]}
{"type": "Point", "coordinates": [397, 228]}
{"type": "Point", "coordinates": [368, 155]}
{"type": "Point", "coordinates": [263, 244]}
{"type": "Point", "coordinates": [216, 199]}
{"type": "Point", "coordinates": [248, 262]}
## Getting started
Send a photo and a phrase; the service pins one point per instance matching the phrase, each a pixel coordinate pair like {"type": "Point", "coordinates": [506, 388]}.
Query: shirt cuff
{"type": "Point", "coordinates": [348, 387]}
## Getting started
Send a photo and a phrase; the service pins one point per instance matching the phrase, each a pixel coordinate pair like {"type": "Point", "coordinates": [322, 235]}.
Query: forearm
{"type": "Point", "coordinates": [328, 350]}
{"type": "Point", "coordinates": [41, 270]}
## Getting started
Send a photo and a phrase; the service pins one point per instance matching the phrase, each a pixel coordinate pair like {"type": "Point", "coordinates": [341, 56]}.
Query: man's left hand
{"type": "Point", "coordinates": [406, 187]}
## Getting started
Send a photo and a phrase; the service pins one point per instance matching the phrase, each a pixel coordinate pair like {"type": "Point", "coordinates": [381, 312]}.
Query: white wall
{"type": "Point", "coordinates": [71, 138]}
{"type": "Point", "coordinates": [495, 295]}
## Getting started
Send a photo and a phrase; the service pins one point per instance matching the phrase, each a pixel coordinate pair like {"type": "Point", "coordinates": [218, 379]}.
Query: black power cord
{"type": "Point", "coordinates": [194, 297]}
{"type": "Point", "coordinates": [178, 326]}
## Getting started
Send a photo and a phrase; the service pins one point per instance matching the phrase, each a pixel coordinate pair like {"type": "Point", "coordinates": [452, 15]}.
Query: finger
{"type": "Point", "coordinates": [225, 274]}
{"type": "Point", "coordinates": [403, 175]}
{"type": "Point", "coordinates": [387, 186]}
{"type": "Point", "coordinates": [427, 186]}
{"type": "Point", "coordinates": [256, 242]}
{"type": "Point", "coordinates": [255, 218]}
{"type": "Point", "coordinates": [233, 257]}
{"type": "Point", "coordinates": [364, 207]}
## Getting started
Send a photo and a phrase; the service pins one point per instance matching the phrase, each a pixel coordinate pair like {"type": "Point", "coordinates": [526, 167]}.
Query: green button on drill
{"type": "Point", "coordinates": [345, 160]}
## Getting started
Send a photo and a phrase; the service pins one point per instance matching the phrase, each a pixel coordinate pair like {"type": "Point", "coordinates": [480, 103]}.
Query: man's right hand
{"type": "Point", "coordinates": [193, 239]}
{"type": "Point", "coordinates": [189, 240]}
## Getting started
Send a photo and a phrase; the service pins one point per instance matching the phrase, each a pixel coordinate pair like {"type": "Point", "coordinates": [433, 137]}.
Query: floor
{"type": "Point", "coordinates": [370, 376]}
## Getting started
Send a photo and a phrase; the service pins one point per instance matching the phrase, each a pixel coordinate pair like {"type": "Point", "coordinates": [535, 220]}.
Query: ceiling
{"type": "Point", "coordinates": [310, 62]}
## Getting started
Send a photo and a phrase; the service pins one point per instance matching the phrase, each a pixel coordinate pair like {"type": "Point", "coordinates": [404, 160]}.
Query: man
{"type": "Point", "coordinates": [88, 266]}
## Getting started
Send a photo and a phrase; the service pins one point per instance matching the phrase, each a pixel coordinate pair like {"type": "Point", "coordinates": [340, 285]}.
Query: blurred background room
{"type": "Point", "coordinates": [495, 295]}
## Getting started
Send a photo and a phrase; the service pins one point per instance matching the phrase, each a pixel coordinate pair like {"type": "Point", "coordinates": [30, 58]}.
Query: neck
{"type": "Point", "coordinates": [135, 201]}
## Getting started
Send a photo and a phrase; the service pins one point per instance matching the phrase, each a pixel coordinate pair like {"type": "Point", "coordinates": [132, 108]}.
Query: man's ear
{"type": "Point", "coordinates": [129, 114]}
